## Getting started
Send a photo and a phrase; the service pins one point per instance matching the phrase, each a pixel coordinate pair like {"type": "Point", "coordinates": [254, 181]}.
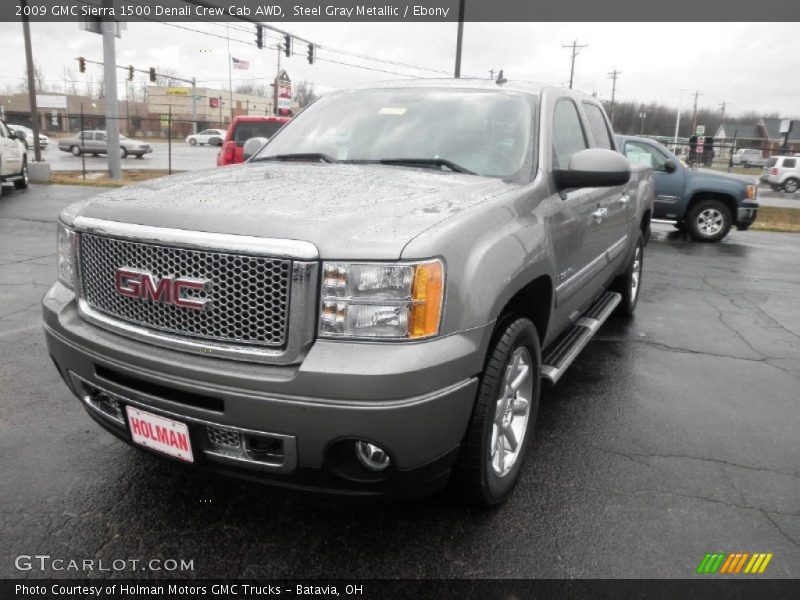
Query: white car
{"type": "Point", "coordinates": [748, 157]}
{"type": "Point", "coordinates": [212, 137]}
{"type": "Point", "coordinates": [13, 160]}
{"type": "Point", "coordinates": [782, 173]}
{"type": "Point", "coordinates": [25, 135]}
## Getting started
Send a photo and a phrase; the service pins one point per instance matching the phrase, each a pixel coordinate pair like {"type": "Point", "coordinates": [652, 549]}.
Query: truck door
{"type": "Point", "coordinates": [577, 238]}
{"type": "Point", "coordinates": [670, 186]}
{"type": "Point", "coordinates": [10, 153]}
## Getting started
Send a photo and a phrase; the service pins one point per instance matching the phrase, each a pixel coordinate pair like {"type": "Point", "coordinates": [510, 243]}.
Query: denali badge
{"type": "Point", "coordinates": [168, 290]}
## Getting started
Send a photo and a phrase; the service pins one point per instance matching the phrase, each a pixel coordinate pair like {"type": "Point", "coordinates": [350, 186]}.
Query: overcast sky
{"type": "Point", "coordinates": [751, 66]}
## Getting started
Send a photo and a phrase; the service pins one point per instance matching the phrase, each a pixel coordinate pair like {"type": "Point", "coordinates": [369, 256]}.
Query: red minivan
{"type": "Point", "coordinates": [242, 129]}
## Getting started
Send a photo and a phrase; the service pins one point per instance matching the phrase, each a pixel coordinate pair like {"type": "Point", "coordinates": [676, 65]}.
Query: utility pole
{"type": "Point", "coordinates": [642, 116]}
{"type": "Point", "coordinates": [194, 105]}
{"type": "Point", "coordinates": [109, 29]}
{"type": "Point", "coordinates": [230, 76]}
{"type": "Point", "coordinates": [574, 45]}
{"type": "Point", "coordinates": [723, 106]}
{"type": "Point", "coordinates": [678, 118]}
{"type": "Point", "coordinates": [26, 32]}
{"type": "Point", "coordinates": [694, 114]}
{"type": "Point", "coordinates": [459, 38]}
{"type": "Point", "coordinates": [491, 74]}
{"type": "Point", "coordinates": [613, 76]}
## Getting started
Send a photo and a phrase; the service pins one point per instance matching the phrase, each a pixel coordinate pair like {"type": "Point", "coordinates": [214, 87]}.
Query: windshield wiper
{"type": "Point", "coordinates": [308, 156]}
{"type": "Point", "coordinates": [417, 162]}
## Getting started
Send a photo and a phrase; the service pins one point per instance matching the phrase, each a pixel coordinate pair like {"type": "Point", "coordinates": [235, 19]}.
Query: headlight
{"type": "Point", "coordinates": [66, 255]}
{"type": "Point", "coordinates": [752, 192]}
{"type": "Point", "coordinates": [379, 300]}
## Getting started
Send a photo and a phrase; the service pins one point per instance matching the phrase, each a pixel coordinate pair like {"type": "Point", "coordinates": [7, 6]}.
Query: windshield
{"type": "Point", "coordinates": [250, 129]}
{"type": "Point", "coordinates": [488, 133]}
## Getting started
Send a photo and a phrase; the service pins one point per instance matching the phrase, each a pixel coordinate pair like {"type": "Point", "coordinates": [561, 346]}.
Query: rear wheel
{"type": "Point", "coordinates": [709, 221]}
{"type": "Point", "coordinates": [790, 185]}
{"type": "Point", "coordinates": [123, 152]}
{"type": "Point", "coordinates": [629, 283]}
{"type": "Point", "coordinates": [503, 417]}
{"type": "Point", "coordinates": [75, 150]}
{"type": "Point", "coordinates": [192, 142]}
{"type": "Point", "coordinates": [22, 184]}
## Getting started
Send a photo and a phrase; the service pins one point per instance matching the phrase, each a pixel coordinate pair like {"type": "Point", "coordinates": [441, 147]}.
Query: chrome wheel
{"type": "Point", "coordinates": [636, 272]}
{"type": "Point", "coordinates": [790, 186]}
{"type": "Point", "coordinates": [512, 411]}
{"type": "Point", "coordinates": [710, 221]}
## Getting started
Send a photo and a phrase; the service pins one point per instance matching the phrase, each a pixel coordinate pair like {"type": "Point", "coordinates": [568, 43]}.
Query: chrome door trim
{"type": "Point", "coordinates": [568, 287]}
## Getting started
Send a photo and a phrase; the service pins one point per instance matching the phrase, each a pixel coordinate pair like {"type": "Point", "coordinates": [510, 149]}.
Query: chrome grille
{"type": "Point", "coordinates": [224, 437]}
{"type": "Point", "coordinates": [248, 295]}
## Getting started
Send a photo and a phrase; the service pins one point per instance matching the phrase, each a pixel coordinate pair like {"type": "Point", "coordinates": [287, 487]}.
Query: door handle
{"type": "Point", "coordinates": [625, 198]}
{"type": "Point", "coordinates": [601, 212]}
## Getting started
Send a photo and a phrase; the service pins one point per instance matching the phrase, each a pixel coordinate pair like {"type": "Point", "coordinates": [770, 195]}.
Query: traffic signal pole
{"type": "Point", "coordinates": [112, 107]}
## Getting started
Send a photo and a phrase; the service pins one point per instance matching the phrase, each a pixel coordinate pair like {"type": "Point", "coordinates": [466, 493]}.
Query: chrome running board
{"type": "Point", "coordinates": [566, 348]}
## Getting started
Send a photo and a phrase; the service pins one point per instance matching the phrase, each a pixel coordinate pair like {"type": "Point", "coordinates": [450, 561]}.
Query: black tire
{"type": "Point", "coordinates": [709, 221]}
{"type": "Point", "coordinates": [140, 156]}
{"type": "Point", "coordinates": [22, 184]}
{"type": "Point", "coordinates": [790, 185]}
{"type": "Point", "coordinates": [629, 283]}
{"type": "Point", "coordinates": [681, 226]}
{"type": "Point", "coordinates": [192, 142]}
{"type": "Point", "coordinates": [75, 150]}
{"type": "Point", "coordinates": [474, 478]}
{"type": "Point", "coordinates": [215, 141]}
{"type": "Point", "coordinates": [123, 153]}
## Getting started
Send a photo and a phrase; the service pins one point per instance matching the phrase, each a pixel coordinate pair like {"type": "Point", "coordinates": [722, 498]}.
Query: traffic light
{"type": "Point", "coordinates": [81, 64]}
{"type": "Point", "coordinates": [153, 74]}
{"type": "Point", "coordinates": [260, 36]}
{"type": "Point", "coordinates": [287, 45]}
{"type": "Point", "coordinates": [311, 53]}
{"type": "Point", "coordinates": [130, 72]}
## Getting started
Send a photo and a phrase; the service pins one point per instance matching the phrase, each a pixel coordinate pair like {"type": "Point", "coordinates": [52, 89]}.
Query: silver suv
{"type": "Point", "coordinates": [96, 142]}
{"type": "Point", "coordinates": [782, 173]}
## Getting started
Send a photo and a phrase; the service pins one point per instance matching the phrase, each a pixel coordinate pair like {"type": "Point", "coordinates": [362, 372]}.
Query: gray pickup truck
{"type": "Point", "coordinates": [368, 306]}
{"type": "Point", "coordinates": [702, 202]}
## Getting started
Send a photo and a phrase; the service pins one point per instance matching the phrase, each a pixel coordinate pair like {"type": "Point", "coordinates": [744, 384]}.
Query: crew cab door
{"type": "Point", "coordinates": [10, 153]}
{"type": "Point", "coordinates": [670, 187]}
{"type": "Point", "coordinates": [581, 232]}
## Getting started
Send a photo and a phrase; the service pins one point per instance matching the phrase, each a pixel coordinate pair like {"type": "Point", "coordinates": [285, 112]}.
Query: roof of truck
{"type": "Point", "coordinates": [525, 87]}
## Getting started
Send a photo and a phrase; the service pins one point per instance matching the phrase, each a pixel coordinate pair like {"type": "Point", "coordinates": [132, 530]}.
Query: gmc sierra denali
{"type": "Point", "coordinates": [371, 303]}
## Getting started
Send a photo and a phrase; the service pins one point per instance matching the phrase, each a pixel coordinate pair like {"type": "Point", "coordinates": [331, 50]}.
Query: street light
{"type": "Point", "coordinates": [678, 118]}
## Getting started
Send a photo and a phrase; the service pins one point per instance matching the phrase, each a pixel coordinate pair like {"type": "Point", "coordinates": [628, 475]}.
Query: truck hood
{"type": "Point", "coordinates": [347, 211]}
{"type": "Point", "coordinates": [743, 179]}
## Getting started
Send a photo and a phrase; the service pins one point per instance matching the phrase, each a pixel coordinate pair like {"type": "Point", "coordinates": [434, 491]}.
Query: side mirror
{"type": "Point", "coordinates": [252, 146]}
{"type": "Point", "coordinates": [16, 135]}
{"type": "Point", "coordinates": [594, 167]}
{"type": "Point", "coordinates": [670, 166]}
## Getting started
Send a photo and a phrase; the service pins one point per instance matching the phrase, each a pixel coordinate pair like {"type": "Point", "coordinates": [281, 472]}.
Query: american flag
{"type": "Point", "coordinates": [238, 63]}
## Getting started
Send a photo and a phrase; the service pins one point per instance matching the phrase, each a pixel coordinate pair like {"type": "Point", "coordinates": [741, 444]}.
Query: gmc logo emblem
{"type": "Point", "coordinates": [167, 290]}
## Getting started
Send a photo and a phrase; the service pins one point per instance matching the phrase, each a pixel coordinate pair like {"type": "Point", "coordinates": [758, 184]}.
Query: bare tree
{"type": "Point", "coordinates": [304, 93]}
{"type": "Point", "coordinates": [39, 80]}
{"type": "Point", "coordinates": [166, 78]}
{"type": "Point", "coordinates": [251, 88]}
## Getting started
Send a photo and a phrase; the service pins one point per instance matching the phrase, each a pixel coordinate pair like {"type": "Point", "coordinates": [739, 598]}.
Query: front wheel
{"type": "Point", "coordinates": [503, 417]}
{"type": "Point", "coordinates": [629, 283]}
{"type": "Point", "coordinates": [75, 151]}
{"type": "Point", "coordinates": [123, 152]}
{"type": "Point", "coordinates": [22, 183]}
{"type": "Point", "coordinates": [790, 186]}
{"type": "Point", "coordinates": [709, 221]}
{"type": "Point", "coordinates": [192, 142]}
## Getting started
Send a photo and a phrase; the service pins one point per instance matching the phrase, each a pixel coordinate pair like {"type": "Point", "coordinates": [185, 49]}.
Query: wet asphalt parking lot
{"type": "Point", "coordinates": [674, 434]}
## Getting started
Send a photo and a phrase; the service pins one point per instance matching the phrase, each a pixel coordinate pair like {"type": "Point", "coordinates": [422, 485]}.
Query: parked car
{"type": "Point", "coordinates": [13, 159]}
{"type": "Point", "coordinates": [212, 137]}
{"type": "Point", "coordinates": [24, 134]}
{"type": "Point", "coordinates": [748, 157]}
{"type": "Point", "coordinates": [242, 129]}
{"type": "Point", "coordinates": [369, 305]}
{"type": "Point", "coordinates": [782, 173]}
{"type": "Point", "coordinates": [703, 202]}
{"type": "Point", "coordinates": [96, 142]}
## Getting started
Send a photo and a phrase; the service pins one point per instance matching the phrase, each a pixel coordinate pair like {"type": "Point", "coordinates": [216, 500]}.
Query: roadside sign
{"type": "Point", "coordinates": [701, 130]}
{"type": "Point", "coordinates": [786, 126]}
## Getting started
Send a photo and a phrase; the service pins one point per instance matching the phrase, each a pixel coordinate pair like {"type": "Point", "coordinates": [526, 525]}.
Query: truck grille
{"type": "Point", "coordinates": [247, 295]}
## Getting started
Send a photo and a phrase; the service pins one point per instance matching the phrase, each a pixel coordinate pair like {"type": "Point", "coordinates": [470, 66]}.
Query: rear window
{"type": "Point", "coordinates": [246, 130]}
{"type": "Point", "coordinates": [789, 163]}
{"type": "Point", "coordinates": [772, 162]}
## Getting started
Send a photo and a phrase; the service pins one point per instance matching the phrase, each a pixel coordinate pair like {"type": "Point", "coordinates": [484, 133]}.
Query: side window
{"type": "Point", "coordinates": [644, 154]}
{"type": "Point", "coordinates": [3, 130]}
{"type": "Point", "coordinates": [789, 163]}
{"type": "Point", "coordinates": [100, 137]}
{"type": "Point", "coordinates": [568, 135]}
{"type": "Point", "coordinates": [85, 135]}
{"type": "Point", "coordinates": [598, 126]}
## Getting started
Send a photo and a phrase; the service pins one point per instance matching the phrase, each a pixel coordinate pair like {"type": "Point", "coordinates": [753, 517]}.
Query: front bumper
{"type": "Point", "coordinates": [746, 215]}
{"type": "Point", "coordinates": [414, 400]}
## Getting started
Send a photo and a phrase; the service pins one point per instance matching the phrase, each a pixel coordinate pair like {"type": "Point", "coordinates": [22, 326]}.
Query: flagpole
{"type": "Point", "coordinates": [230, 75]}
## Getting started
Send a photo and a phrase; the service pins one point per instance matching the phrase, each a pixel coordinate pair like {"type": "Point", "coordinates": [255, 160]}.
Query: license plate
{"type": "Point", "coordinates": [159, 433]}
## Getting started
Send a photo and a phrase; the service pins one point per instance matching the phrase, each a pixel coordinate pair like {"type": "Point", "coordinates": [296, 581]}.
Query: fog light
{"type": "Point", "coordinates": [371, 456]}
